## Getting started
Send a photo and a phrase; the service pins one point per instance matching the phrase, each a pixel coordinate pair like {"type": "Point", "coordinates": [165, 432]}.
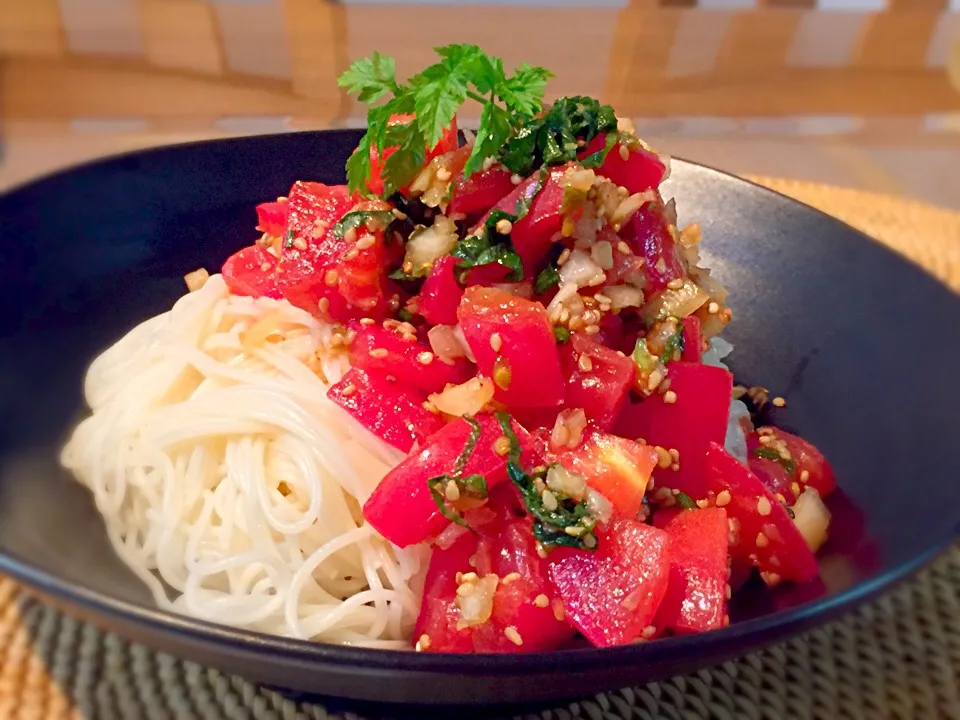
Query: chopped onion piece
{"type": "Point", "coordinates": [475, 600]}
{"type": "Point", "coordinates": [679, 303]}
{"type": "Point", "coordinates": [811, 518]}
{"type": "Point", "coordinates": [568, 428]}
{"type": "Point", "coordinates": [196, 279]}
{"type": "Point", "coordinates": [561, 480]}
{"type": "Point", "coordinates": [427, 246]}
{"type": "Point", "coordinates": [579, 269]}
{"type": "Point", "coordinates": [461, 338]}
{"type": "Point", "coordinates": [468, 398]}
{"type": "Point", "coordinates": [623, 296]}
{"type": "Point", "coordinates": [445, 343]}
{"type": "Point", "coordinates": [628, 207]}
{"type": "Point", "coordinates": [602, 254]}
{"type": "Point", "coordinates": [599, 506]}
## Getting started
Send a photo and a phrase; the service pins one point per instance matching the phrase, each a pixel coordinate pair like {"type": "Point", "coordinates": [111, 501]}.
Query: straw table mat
{"type": "Point", "coordinates": [897, 657]}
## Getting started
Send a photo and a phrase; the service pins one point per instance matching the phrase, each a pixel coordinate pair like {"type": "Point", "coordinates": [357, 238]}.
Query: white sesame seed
{"type": "Point", "coordinates": [664, 459]}
{"type": "Point", "coordinates": [723, 498]}
{"type": "Point", "coordinates": [349, 390]}
{"type": "Point", "coordinates": [649, 631]}
{"type": "Point", "coordinates": [592, 329]}
{"type": "Point", "coordinates": [713, 308]}
{"type": "Point", "coordinates": [779, 402]}
{"type": "Point", "coordinates": [541, 601]}
{"type": "Point", "coordinates": [365, 242]}
{"type": "Point", "coordinates": [804, 476]}
{"type": "Point", "coordinates": [510, 577]}
{"type": "Point", "coordinates": [399, 215]}
{"type": "Point", "coordinates": [423, 643]}
{"type": "Point", "coordinates": [330, 278]}
{"type": "Point", "coordinates": [378, 353]}
{"type": "Point", "coordinates": [516, 179]}
{"type": "Point", "coordinates": [323, 304]}
{"type": "Point", "coordinates": [300, 244]}
{"type": "Point", "coordinates": [443, 174]}
{"type": "Point", "coordinates": [763, 506]}
{"type": "Point", "coordinates": [504, 226]}
{"type": "Point", "coordinates": [624, 248]}
{"type": "Point", "coordinates": [496, 342]}
{"type": "Point", "coordinates": [564, 256]}
{"type": "Point", "coordinates": [350, 235]}
{"type": "Point", "coordinates": [762, 540]}
{"type": "Point", "coordinates": [675, 284]}
{"type": "Point", "coordinates": [585, 363]}
{"type": "Point", "coordinates": [558, 611]}
{"type": "Point", "coordinates": [451, 491]}
{"type": "Point", "coordinates": [513, 635]}
{"type": "Point", "coordinates": [624, 152]}
{"type": "Point", "coordinates": [367, 321]}
{"type": "Point", "coordinates": [425, 358]}
{"type": "Point", "coordinates": [669, 397]}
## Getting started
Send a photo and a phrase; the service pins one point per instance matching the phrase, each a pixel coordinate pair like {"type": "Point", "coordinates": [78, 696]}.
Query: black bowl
{"type": "Point", "coordinates": [863, 343]}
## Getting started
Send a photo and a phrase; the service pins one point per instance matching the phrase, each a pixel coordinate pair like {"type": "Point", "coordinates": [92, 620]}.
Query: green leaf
{"type": "Point", "coordinates": [492, 133]}
{"type": "Point", "coordinates": [442, 88]}
{"type": "Point", "coordinates": [357, 218]}
{"type": "Point", "coordinates": [474, 486]}
{"type": "Point", "coordinates": [561, 334]}
{"type": "Point", "coordinates": [523, 92]}
{"type": "Point", "coordinates": [288, 239]}
{"type": "Point", "coordinates": [370, 78]}
{"type": "Point", "coordinates": [358, 166]}
{"type": "Point", "coordinates": [404, 164]}
{"type": "Point", "coordinates": [596, 159]}
{"type": "Point", "coordinates": [547, 278]}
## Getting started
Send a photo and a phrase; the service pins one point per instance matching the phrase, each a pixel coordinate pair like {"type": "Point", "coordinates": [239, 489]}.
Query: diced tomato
{"type": "Point", "coordinates": [250, 271]}
{"type": "Point", "coordinates": [696, 595]}
{"type": "Point", "coordinates": [612, 594]}
{"type": "Point", "coordinates": [386, 352]}
{"type": "Point", "coordinates": [692, 340]}
{"type": "Point", "coordinates": [448, 142]}
{"type": "Point", "coordinates": [523, 600]}
{"type": "Point", "coordinates": [387, 409]}
{"type": "Point", "coordinates": [272, 217]}
{"type": "Point", "coordinates": [512, 340]}
{"type": "Point", "coordinates": [617, 468]}
{"type": "Point", "coordinates": [598, 379]}
{"type": "Point", "coordinates": [362, 276]}
{"type": "Point", "coordinates": [314, 208]}
{"type": "Point", "coordinates": [486, 275]}
{"type": "Point", "coordinates": [650, 239]}
{"type": "Point", "coordinates": [696, 418]}
{"type": "Point", "coordinates": [611, 331]}
{"type": "Point", "coordinates": [438, 609]}
{"type": "Point", "coordinates": [639, 171]}
{"type": "Point", "coordinates": [766, 535]}
{"type": "Point", "coordinates": [481, 191]}
{"type": "Point", "coordinates": [532, 235]}
{"type": "Point", "coordinates": [441, 294]}
{"type": "Point", "coordinates": [402, 508]}
{"type": "Point", "coordinates": [806, 457]}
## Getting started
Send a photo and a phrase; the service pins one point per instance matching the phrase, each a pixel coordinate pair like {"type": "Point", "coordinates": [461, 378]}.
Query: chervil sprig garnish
{"type": "Point", "coordinates": [433, 96]}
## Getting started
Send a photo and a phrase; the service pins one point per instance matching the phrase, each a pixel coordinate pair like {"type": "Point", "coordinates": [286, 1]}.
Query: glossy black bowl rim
{"type": "Point", "coordinates": [733, 640]}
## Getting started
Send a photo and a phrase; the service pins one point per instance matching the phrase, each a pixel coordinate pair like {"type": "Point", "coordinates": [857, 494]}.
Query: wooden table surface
{"type": "Point", "coordinates": [862, 93]}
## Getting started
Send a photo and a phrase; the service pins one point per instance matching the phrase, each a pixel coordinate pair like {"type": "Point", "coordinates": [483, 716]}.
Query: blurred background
{"type": "Point", "coordinates": [861, 93]}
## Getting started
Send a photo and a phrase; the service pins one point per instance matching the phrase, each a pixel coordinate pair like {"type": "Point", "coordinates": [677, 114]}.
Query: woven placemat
{"type": "Point", "coordinates": [897, 657]}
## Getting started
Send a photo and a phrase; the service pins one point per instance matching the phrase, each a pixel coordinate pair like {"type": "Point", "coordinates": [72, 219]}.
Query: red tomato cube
{"type": "Point", "coordinates": [512, 340]}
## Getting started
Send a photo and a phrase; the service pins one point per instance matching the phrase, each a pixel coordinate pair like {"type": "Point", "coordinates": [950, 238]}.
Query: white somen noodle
{"type": "Point", "coordinates": [230, 483]}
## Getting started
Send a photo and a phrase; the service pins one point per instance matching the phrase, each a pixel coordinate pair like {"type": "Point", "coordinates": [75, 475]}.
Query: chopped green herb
{"type": "Point", "coordinates": [473, 486]}
{"type": "Point", "coordinates": [674, 343]}
{"type": "Point", "coordinates": [570, 524]}
{"type": "Point", "coordinates": [356, 218]}
{"type": "Point", "coordinates": [547, 278]}
{"type": "Point", "coordinates": [561, 334]}
{"type": "Point", "coordinates": [404, 315]}
{"type": "Point", "coordinates": [559, 134]}
{"type": "Point", "coordinates": [434, 96]}
{"type": "Point", "coordinates": [644, 359]}
{"type": "Point", "coordinates": [770, 453]}
{"type": "Point", "coordinates": [491, 246]}
{"type": "Point", "coordinates": [288, 239]}
{"type": "Point", "coordinates": [685, 501]}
